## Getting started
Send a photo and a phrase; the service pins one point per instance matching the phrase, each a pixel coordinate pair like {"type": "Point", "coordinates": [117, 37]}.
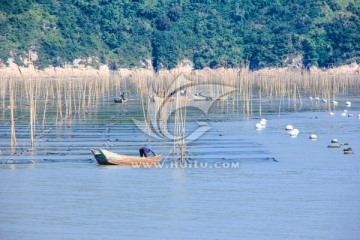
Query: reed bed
{"type": "Point", "coordinates": [62, 100]}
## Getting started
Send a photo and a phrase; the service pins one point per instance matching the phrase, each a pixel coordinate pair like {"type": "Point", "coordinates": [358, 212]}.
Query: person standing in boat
{"type": "Point", "coordinates": [144, 151]}
{"type": "Point", "coordinates": [122, 96]}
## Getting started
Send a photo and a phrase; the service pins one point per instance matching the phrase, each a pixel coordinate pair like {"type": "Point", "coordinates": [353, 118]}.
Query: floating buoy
{"type": "Point", "coordinates": [348, 104]}
{"type": "Point", "coordinates": [294, 132]}
{"type": "Point", "coordinates": [334, 144]}
{"type": "Point", "coordinates": [289, 127]}
{"type": "Point", "coordinates": [347, 149]}
{"type": "Point", "coordinates": [263, 122]}
{"type": "Point", "coordinates": [312, 137]}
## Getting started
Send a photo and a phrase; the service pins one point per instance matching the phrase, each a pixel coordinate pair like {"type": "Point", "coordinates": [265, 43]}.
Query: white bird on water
{"type": "Point", "coordinates": [348, 104]}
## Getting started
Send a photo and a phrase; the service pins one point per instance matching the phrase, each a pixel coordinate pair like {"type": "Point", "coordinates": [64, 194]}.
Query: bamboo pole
{"type": "Point", "coordinates": [45, 105]}
{"type": "Point", "coordinates": [32, 113]}
{"type": "Point", "coordinates": [12, 106]}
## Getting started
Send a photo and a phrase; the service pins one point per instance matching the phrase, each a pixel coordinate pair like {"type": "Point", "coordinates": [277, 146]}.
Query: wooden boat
{"type": "Point", "coordinates": [120, 100]}
{"type": "Point", "coordinates": [105, 157]}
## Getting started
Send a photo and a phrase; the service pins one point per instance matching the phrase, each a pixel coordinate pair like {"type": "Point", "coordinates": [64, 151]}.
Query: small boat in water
{"type": "Point", "coordinates": [120, 100]}
{"type": "Point", "coordinates": [105, 157]}
{"type": "Point", "coordinates": [199, 97]}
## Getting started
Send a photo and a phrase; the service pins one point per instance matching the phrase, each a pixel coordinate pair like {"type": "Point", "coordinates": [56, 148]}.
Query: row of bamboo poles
{"type": "Point", "coordinates": [286, 88]}
{"type": "Point", "coordinates": [65, 98]}
{"type": "Point", "coordinates": [72, 98]}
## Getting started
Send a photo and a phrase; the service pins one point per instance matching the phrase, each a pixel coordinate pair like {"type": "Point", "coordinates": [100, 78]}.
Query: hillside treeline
{"type": "Point", "coordinates": [163, 33]}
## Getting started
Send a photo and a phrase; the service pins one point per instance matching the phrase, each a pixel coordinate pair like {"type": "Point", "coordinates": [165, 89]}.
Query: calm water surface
{"type": "Point", "coordinates": [306, 192]}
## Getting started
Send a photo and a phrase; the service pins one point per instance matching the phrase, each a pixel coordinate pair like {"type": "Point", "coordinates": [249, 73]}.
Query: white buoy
{"type": "Point", "coordinates": [312, 137]}
{"type": "Point", "coordinates": [294, 132]}
{"type": "Point", "coordinates": [348, 104]}
{"type": "Point", "coordinates": [263, 122]}
{"type": "Point", "coordinates": [289, 127]}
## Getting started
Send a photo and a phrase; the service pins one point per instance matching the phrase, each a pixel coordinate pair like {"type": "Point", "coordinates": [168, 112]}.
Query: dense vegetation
{"type": "Point", "coordinates": [210, 33]}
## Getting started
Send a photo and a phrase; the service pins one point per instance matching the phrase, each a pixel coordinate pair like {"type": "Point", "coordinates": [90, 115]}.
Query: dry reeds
{"type": "Point", "coordinates": [63, 99]}
{"type": "Point", "coordinates": [180, 127]}
{"type": "Point", "coordinates": [32, 97]}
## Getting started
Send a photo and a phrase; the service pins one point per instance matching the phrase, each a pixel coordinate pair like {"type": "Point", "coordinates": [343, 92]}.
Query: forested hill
{"type": "Point", "coordinates": [210, 33]}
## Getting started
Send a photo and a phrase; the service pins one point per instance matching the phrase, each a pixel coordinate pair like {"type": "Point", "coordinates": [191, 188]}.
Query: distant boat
{"type": "Point", "coordinates": [105, 157]}
{"type": "Point", "coordinates": [199, 97]}
{"type": "Point", "coordinates": [120, 100]}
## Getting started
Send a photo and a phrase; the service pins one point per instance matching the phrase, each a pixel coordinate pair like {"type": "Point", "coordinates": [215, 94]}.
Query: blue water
{"type": "Point", "coordinates": [307, 191]}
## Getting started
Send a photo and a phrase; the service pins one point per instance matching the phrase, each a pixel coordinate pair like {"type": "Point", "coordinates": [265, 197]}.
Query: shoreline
{"type": "Point", "coordinates": [15, 71]}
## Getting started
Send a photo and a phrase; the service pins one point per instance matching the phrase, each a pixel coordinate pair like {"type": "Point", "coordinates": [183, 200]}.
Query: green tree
{"type": "Point", "coordinates": [309, 53]}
